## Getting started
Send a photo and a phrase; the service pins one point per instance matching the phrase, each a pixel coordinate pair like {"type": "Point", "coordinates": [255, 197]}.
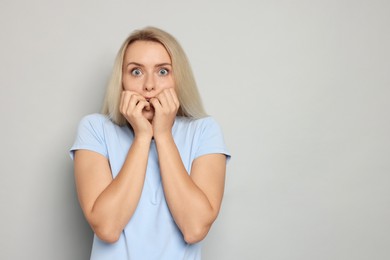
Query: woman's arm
{"type": "Point", "coordinates": [108, 204]}
{"type": "Point", "coordinates": [194, 200]}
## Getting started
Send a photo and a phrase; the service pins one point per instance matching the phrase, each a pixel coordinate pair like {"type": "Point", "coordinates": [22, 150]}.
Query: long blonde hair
{"type": "Point", "coordinates": [186, 89]}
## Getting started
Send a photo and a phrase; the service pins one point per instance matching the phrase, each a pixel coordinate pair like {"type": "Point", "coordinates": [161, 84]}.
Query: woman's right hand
{"type": "Point", "coordinates": [131, 107]}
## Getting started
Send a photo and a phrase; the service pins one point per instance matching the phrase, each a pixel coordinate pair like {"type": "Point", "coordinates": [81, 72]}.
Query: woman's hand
{"type": "Point", "coordinates": [131, 106]}
{"type": "Point", "coordinates": [165, 106]}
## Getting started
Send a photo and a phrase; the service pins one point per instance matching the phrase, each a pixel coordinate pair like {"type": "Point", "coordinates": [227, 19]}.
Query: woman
{"type": "Point", "coordinates": [150, 169]}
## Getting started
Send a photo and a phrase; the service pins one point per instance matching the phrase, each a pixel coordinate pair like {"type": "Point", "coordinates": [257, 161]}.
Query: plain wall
{"type": "Point", "coordinates": [300, 88]}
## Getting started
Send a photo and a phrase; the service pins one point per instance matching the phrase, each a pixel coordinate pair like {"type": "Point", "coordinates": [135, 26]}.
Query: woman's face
{"type": "Point", "coordinates": [147, 70]}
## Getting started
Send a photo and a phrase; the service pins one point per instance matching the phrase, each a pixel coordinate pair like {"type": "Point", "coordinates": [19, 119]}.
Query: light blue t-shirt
{"type": "Point", "coordinates": [151, 232]}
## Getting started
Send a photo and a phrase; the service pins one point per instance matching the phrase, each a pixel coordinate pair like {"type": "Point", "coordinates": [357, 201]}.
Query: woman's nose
{"type": "Point", "coordinates": [149, 83]}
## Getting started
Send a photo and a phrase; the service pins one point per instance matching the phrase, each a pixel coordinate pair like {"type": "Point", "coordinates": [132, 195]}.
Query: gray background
{"type": "Point", "coordinates": [301, 89]}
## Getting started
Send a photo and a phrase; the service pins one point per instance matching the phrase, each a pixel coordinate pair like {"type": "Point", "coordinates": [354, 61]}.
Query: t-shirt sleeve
{"type": "Point", "coordinates": [211, 139]}
{"type": "Point", "coordinates": [90, 135]}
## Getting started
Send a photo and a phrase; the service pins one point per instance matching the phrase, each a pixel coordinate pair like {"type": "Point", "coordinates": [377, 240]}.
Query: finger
{"type": "Point", "coordinates": [155, 102]}
{"type": "Point", "coordinates": [125, 98]}
{"type": "Point", "coordinates": [167, 100]}
{"type": "Point", "coordinates": [141, 105]}
{"type": "Point", "coordinates": [170, 98]}
{"type": "Point", "coordinates": [134, 101]}
{"type": "Point", "coordinates": [128, 101]}
{"type": "Point", "coordinates": [175, 98]}
{"type": "Point", "coordinates": [148, 106]}
{"type": "Point", "coordinates": [163, 98]}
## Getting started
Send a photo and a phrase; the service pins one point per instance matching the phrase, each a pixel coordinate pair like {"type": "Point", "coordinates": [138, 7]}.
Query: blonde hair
{"type": "Point", "coordinates": [186, 89]}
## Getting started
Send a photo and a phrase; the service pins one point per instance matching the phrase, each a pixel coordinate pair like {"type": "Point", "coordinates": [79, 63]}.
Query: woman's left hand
{"type": "Point", "coordinates": [166, 105]}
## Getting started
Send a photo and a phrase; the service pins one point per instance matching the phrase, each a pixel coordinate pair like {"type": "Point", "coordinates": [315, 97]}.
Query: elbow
{"type": "Point", "coordinates": [196, 235]}
{"type": "Point", "coordinates": [198, 230]}
{"type": "Point", "coordinates": [107, 235]}
{"type": "Point", "coordinates": [106, 230]}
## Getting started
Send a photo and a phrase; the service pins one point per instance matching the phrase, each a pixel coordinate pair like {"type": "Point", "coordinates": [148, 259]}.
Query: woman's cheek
{"type": "Point", "coordinates": [167, 82]}
{"type": "Point", "coordinates": [131, 86]}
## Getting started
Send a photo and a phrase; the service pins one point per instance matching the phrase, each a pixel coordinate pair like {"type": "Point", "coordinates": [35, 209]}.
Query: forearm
{"type": "Point", "coordinates": [188, 204]}
{"type": "Point", "coordinates": [115, 206]}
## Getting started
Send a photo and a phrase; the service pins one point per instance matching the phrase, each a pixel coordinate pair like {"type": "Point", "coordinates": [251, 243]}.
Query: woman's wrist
{"type": "Point", "coordinates": [163, 137]}
{"type": "Point", "coordinates": [143, 138]}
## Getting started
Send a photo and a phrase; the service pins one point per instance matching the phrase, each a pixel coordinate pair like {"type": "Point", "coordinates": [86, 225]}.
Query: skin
{"type": "Point", "coordinates": [149, 103]}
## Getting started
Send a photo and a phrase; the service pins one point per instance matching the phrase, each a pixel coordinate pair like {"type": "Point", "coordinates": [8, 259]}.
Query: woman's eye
{"type": "Point", "coordinates": [163, 72]}
{"type": "Point", "coordinates": [136, 72]}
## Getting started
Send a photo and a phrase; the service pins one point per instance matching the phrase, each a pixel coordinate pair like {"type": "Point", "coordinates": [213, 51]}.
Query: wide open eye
{"type": "Point", "coordinates": [163, 72]}
{"type": "Point", "coordinates": [136, 72]}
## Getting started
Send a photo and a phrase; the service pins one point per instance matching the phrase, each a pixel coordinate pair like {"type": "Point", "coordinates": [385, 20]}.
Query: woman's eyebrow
{"type": "Point", "coordinates": [163, 64]}
{"type": "Point", "coordinates": [157, 65]}
{"type": "Point", "coordinates": [134, 63]}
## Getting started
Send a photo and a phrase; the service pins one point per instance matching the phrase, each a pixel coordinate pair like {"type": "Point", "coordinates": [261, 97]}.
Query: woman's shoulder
{"type": "Point", "coordinates": [196, 121]}
{"type": "Point", "coordinates": [199, 124]}
{"type": "Point", "coordinates": [95, 117]}
{"type": "Point", "coordinates": [95, 121]}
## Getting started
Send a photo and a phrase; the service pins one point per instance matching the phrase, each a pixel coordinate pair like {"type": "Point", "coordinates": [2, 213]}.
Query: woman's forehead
{"type": "Point", "coordinates": [147, 52]}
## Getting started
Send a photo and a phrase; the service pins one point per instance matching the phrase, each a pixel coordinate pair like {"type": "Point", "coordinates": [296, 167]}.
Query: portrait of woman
{"type": "Point", "coordinates": [150, 169]}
